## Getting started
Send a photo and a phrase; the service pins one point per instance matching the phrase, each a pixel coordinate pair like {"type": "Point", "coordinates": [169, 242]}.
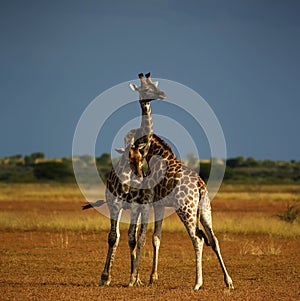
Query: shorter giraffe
{"type": "Point", "coordinates": [121, 194]}
{"type": "Point", "coordinates": [184, 190]}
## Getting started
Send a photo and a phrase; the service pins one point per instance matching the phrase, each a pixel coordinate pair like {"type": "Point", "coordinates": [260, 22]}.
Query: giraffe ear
{"type": "Point", "coordinates": [120, 150]}
{"type": "Point", "coordinates": [133, 87]}
{"type": "Point", "coordinates": [155, 84]}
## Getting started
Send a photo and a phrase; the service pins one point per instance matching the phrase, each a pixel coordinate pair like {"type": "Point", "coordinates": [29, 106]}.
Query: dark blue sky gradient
{"type": "Point", "coordinates": [242, 57]}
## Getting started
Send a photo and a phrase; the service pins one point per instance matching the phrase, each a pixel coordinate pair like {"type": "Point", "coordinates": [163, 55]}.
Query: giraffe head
{"type": "Point", "coordinates": [135, 158]}
{"type": "Point", "coordinates": [148, 90]}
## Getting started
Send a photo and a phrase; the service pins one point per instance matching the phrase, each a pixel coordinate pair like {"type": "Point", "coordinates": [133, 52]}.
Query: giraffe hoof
{"type": "Point", "coordinates": [104, 283]}
{"type": "Point", "coordinates": [197, 287]}
{"type": "Point", "coordinates": [105, 280]}
{"type": "Point", "coordinates": [153, 278]}
{"type": "Point", "coordinates": [136, 282]}
{"type": "Point", "coordinates": [229, 283]}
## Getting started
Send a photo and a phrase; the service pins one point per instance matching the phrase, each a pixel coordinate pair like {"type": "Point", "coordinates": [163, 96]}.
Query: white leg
{"type": "Point", "coordinates": [206, 221]}
{"type": "Point", "coordinates": [198, 247]}
{"type": "Point", "coordinates": [113, 241]}
{"type": "Point", "coordinates": [159, 214]}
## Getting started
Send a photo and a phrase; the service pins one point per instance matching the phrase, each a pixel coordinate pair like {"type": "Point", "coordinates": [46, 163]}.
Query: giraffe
{"type": "Point", "coordinates": [121, 188]}
{"type": "Point", "coordinates": [148, 91]}
{"type": "Point", "coordinates": [183, 189]}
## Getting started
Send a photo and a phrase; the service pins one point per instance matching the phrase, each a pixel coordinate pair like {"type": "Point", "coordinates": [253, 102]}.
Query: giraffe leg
{"type": "Point", "coordinates": [206, 221]}
{"type": "Point", "coordinates": [132, 234]}
{"type": "Point", "coordinates": [198, 248]}
{"type": "Point", "coordinates": [134, 279]}
{"type": "Point", "coordinates": [113, 241]}
{"type": "Point", "coordinates": [159, 214]}
{"type": "Point", "coordinates": [190, 222]}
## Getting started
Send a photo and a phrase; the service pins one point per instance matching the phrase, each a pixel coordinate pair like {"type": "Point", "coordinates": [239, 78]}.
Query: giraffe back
{"type": "Point", "coordinates": [178, 180]}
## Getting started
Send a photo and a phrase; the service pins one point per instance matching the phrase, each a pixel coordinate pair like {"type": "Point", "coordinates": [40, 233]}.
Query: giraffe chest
{"type": "Point", "coordinates": [115, 187]}
{"type": "Point", "coordinates": [119, 185]}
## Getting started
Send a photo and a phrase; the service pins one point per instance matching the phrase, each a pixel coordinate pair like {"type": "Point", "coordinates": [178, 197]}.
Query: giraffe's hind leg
{"type": "Point", "coordinates": [189, 219]}
{"type": "Point", "coordinates": [156, 238]}
{"type": "Point", "coordinates": [137, 247]}
{"type": "Point", "coordinates": [206, 221]}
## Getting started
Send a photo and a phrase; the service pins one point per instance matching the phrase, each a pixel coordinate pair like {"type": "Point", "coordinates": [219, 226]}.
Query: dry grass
{"type": "Point", "coordinates": [83, 222]}
{"type": "Point", "coordinates": [255, 225]}
{"type": "Point", "coordinates": [259, 193]}
{"type": "Point", "coordinates": [11, 221]}
{"type": "Point", "coordinates": [39, 192]}
{"type": "Point", "coordinates": [260, 248]}
{"type": "Point", "coordinates": [225, 223]}
{"type": "Point", "coordinates": [260, 188]}
{"type": "Point", "coordinates": [28, 207]}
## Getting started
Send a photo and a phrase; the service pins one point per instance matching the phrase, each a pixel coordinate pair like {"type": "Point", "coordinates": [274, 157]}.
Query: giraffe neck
{"type": "Point", "coordinates": [161, 148]}
{"type": "Point", "coordinates": [145, 132]}
{"type": "Point", "coordinates": [146, 124]}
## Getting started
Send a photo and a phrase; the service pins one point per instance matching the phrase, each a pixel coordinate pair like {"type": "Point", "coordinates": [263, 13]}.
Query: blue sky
{"type": "Point", "coordinates": [242, 57]}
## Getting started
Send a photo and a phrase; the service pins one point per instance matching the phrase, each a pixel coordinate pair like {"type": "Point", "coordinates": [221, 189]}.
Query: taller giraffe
{"type": "Point", "coordinates": [120, 194]}
{"type": "Point", "coordinates": [184, 190]}
{"type": "Point", "coordinates": [148, 91]}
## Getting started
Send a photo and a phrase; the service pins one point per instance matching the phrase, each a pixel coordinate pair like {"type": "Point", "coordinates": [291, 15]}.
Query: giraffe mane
{"type": "Point", "coordinates": [163, 142]}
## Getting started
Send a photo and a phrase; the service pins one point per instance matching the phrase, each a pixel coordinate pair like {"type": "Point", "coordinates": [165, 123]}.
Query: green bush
{"type": "Point", "coordinates": [58, 171]}
{"type": "Point", "coordinates": [205, 171]}
{"type": "Point", "coordinates": [290, 215]}
{"type": "Point", "coordinates": [104, 160]}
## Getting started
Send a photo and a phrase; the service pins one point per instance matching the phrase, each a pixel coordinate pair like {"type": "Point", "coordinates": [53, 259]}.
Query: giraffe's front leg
{"type": "Point", "coordinates": [132, 233]}
{"type": "Point", "coordinates": [113, 241]}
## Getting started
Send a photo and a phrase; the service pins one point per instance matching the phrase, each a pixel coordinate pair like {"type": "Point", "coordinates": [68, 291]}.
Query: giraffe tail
{"type": "Point", "coordinates": [95, 204]}
{"type": "Point", "coordinates": [200, 233]}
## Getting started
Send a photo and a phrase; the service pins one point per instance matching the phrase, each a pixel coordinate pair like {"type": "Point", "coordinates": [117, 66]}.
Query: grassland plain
{"type": "Point", "coordinates": [52, 250]}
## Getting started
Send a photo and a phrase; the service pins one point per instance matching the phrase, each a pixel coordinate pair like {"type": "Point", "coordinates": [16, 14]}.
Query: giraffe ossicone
{"type": "Point", "coordinates": [148, 90]}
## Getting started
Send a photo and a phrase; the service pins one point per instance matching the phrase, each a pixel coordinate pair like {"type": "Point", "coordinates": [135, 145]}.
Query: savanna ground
{"type": "Point", "coordinates": [52, 250]}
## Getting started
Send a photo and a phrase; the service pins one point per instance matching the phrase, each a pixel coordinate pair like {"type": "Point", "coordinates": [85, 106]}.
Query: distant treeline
{"type": "Point", "coordinates": [36, 167]}
{"type": "Point", "coordinates": [248, 170]}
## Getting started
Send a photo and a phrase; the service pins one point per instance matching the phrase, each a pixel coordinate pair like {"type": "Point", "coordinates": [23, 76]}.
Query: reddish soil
{"type": "Point", "coordinates": [67, 266]}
